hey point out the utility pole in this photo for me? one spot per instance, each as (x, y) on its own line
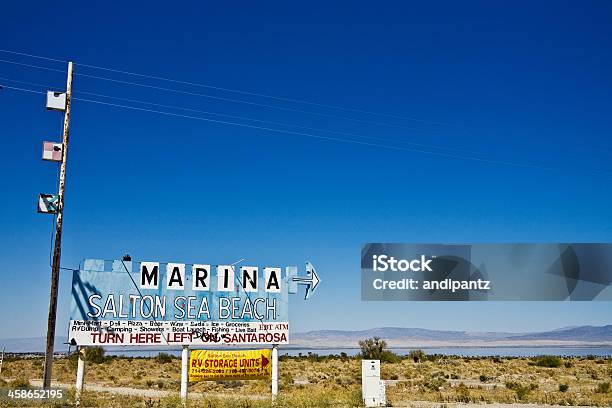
(57, 248)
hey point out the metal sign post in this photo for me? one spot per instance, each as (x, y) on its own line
(184, 374)
(80, 374)
(274, 371)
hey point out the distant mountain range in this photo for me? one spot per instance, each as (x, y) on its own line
(400, 337)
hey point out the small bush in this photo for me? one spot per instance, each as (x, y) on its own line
(372, 348)
(94, 354)
(463, 393)
(24, 383)
(563, 387)
(483, 378)
(389, 357)
(416, 355)
(163, 358)
(435, 384)
(548, 361)
(603, 388)
(521, 390)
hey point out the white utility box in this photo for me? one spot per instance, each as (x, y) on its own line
(56, 100)
(372, 388)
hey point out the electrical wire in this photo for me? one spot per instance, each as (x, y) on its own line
(32, 55)
(237, 117)
(322, 137)
(219, 98)
(242, 92)
(448, 155)
(239, 101)
(32, 66)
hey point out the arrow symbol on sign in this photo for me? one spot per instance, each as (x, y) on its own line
(264, 361)
(312, 280)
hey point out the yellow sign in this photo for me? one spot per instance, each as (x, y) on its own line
(230, 365)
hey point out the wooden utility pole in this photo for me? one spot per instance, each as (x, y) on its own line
(57, 248)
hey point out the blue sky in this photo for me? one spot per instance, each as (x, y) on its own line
(515, 82)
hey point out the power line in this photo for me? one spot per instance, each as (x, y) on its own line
(257, 120)
(33, 56)
(322, 137)
(240, 101)
(318, 136)
(275, 123)
(242, 92)
(31, 66)
(235, 116)
(220, 98)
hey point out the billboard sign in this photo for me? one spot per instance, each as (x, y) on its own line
(158, 304)
(230, 365)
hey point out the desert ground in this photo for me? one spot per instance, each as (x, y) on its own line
(431, 381)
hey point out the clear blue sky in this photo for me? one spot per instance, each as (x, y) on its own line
(521, 82)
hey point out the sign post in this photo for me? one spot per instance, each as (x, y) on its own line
(274, 371)
(184, 374)
(80, 375)
(240, 365)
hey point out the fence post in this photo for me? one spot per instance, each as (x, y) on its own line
(274, 371)
(184, 374)
(80, 375)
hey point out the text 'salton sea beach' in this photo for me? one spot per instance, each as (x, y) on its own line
(179, 304)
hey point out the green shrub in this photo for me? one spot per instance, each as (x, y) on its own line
(435, 384)
(463, 393)
(388, 356)
(483, 378)
(163, 358)
(603, 388)
(372, 349)
(24, 383)
(522, 391)
(94, 354)
(563, 387)
(548, 361)
(416, 355)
